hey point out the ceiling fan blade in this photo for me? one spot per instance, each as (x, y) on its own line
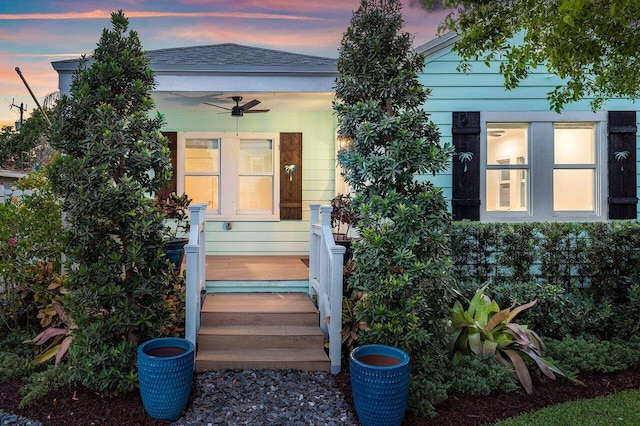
(217, 106)
(249, 105)
(253, 111)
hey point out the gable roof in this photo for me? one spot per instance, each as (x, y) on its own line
(225, 58)
(437, 45)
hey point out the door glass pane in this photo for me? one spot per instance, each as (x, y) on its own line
(574, 143)
(203, 189)
(202, 155)
(573, 189)
(256, 156)
(255, 193)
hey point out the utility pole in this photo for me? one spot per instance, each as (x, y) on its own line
(22, 108)
(44, 114)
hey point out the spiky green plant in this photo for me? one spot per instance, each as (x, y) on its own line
(483, 328)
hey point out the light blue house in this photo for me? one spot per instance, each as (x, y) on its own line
(259, 172)
(518, 161)
(253, 136)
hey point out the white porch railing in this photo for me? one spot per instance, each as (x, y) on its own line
(195, 252)
(325, 280)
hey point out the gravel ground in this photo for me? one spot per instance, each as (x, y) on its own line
(256, 397)
(267, 397)
(15, 420)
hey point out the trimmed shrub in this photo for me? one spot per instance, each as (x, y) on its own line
(585, 276)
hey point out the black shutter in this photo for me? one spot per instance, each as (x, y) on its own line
(465, 203)
(621, 154)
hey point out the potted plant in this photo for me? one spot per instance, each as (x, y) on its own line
(343, 219)
(176, 207)
(165, 375)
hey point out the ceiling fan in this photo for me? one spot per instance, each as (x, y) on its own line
(239, 110)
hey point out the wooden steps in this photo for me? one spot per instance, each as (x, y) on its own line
(260, 331)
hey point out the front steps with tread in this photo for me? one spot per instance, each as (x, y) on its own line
(260, 331)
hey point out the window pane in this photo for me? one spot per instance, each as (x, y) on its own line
(203, 189)
(507, 142)
(573, 190)
(507, 190)
(574, 143)
(256, 156)
(202, 155)
(256, 193)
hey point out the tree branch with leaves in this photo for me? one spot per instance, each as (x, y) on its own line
(592, 45)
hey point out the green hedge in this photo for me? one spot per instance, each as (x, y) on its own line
(585, 276)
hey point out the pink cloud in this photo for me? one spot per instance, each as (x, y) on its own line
(301, 40)
(102, 14)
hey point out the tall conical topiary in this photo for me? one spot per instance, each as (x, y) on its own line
(112, 159)
(401, 260)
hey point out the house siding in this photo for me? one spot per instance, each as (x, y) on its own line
(482, 90)
(276, 237)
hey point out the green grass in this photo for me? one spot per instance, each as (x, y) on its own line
(621, 409)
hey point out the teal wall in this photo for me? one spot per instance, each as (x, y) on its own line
(482, 90)
(286, 237)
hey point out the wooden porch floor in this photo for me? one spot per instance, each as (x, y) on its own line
(257, 268)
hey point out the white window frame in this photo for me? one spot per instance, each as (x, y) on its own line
(541, 165)
(229, 168)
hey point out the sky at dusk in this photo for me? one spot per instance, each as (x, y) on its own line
(33, 33)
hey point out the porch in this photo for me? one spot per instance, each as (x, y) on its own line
(257, 274)
(265, 311)
(257, 314)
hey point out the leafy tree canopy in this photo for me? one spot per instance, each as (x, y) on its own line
(17, 145)
(592, 45)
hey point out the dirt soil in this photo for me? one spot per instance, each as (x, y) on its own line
(71, 405)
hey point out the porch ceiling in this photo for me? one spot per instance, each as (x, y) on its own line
(273, 101)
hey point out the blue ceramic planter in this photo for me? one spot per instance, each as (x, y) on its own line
(380, 384)
(165, 373)
(174, 251)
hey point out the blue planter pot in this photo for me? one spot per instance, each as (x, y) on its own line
(174, 251)
(165, 373)
(380, 384)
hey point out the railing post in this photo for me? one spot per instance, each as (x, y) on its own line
(335, 300)
(195, 252)
(325, 278)
(314, 247)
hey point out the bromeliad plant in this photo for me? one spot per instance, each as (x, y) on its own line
(484, 328)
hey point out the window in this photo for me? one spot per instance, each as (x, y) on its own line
(233, 174)
(543, 167)
(507, 167)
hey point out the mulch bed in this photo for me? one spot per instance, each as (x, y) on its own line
(76, 405)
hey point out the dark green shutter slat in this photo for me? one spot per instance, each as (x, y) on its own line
(291, 186)
(622, 172)
(465, 202)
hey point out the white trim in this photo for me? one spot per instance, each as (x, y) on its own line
(539, 203)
